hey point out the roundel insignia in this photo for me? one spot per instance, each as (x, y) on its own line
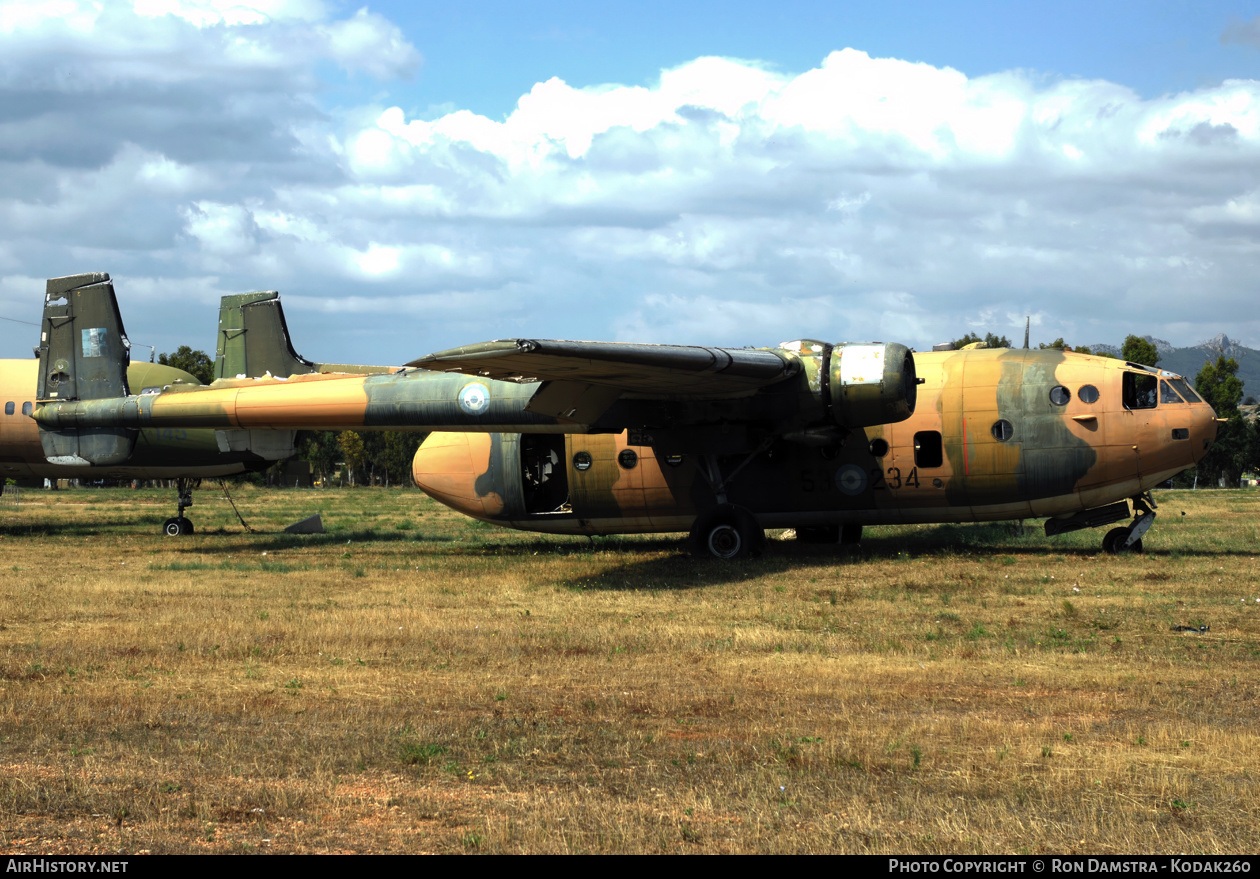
(474, 399)
(851, 479)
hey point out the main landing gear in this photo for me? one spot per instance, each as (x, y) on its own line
(178, 526)
(727, 532)
(1129, 538)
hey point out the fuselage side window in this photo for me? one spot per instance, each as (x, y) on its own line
(928, 451)
(1140, 391)
(1088, 394)
(27, 407)
(8, 408)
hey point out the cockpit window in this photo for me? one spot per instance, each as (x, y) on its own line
(1168, 395)
(1140, 391)
(1183, 387)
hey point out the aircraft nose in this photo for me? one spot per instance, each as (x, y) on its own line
(455, 469)
(1204, 431)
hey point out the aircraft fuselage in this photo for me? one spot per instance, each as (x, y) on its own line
(996, 434)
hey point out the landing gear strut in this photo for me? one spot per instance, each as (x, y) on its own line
(179, 525)
(727, 531)
(1129, 538)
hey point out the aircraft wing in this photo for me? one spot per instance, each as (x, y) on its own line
(665, 371)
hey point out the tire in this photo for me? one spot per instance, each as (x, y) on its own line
(1113, 543)
(185, 525)
(172, 528)
(723, 541)
(727, 532)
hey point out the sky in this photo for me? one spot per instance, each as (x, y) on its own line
(416, 176)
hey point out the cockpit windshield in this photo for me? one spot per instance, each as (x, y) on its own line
(1183, 387)
(1168, 395)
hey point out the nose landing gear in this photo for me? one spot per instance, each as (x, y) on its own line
(1129, 538)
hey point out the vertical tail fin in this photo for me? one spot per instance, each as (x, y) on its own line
(254, 341)
(83, 355)
(254, 338)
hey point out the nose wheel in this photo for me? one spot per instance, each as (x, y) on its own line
(1129, 538)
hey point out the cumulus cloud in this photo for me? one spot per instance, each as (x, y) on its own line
(724, 203)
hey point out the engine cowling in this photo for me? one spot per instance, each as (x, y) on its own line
(869, 383)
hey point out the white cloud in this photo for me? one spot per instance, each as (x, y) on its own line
(726, 203)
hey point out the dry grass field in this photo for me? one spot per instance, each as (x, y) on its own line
(413, 681)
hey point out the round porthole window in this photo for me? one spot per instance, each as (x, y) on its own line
(1088, 394)
(1060, 395)
(627, 458)
(582, 461)
(879, 448)
(1003, 430)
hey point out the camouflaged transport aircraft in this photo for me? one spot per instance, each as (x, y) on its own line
(605, 438)
(81, 311)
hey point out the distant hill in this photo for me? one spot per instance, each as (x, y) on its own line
(1188, 361)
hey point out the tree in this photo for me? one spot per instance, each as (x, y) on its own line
(1219, 384)
(990, 341)
(1137, 350)
(1235, 447)
(195, 363)
(351, 445)
(1057, 343)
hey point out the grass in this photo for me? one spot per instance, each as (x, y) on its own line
(410, 681)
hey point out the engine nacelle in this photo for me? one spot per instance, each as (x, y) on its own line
(866, 384)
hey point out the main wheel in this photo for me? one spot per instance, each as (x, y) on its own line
(172, 528)
(727, 532)
(185, 525)
(725, 542)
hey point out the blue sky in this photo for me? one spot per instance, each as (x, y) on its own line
(484, 58)
(413, 177)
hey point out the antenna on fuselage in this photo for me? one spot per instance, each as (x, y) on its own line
(1027, 324)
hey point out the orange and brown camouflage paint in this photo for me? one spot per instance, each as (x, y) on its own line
(1060, 458)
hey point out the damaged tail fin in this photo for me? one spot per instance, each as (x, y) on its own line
(83, 355)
